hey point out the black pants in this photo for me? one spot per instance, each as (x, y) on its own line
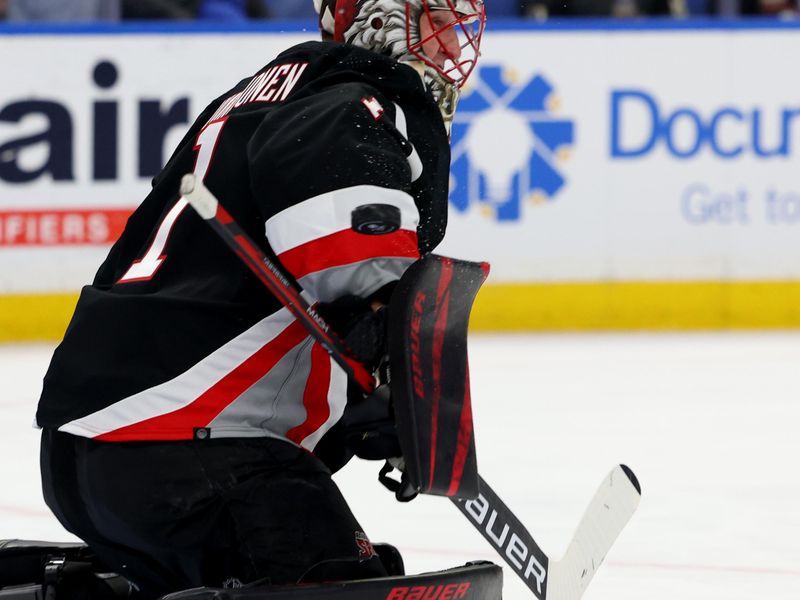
(176, 515)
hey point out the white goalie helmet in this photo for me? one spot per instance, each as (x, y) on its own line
(439, 38)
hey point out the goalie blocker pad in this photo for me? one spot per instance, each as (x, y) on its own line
(429, 381)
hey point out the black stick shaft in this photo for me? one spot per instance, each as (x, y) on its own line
(501, 528)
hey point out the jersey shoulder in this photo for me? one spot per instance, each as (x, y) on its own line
(342, 136)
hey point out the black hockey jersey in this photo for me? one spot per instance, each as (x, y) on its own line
(175, 338)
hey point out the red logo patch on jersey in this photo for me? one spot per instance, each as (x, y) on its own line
(365, 549)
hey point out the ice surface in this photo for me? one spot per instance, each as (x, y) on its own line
(709, 422)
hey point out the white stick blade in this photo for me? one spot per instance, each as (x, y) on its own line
(199, 196)
(609, 511)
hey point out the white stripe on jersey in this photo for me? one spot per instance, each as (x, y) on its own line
(184, 389)
(337, 399)
(414, 161)
(331, 212)
(360, 279)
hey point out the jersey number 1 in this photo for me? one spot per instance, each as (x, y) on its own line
(144, 268)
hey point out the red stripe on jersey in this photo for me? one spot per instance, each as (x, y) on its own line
(179, 424)
(315, 396)
(346, 247)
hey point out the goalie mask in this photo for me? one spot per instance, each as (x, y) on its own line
(439, 38)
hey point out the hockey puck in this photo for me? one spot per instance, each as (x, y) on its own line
(375, 219)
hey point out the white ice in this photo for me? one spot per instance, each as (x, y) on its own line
(709, 422)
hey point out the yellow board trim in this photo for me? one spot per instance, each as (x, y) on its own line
(35, 317)
(638, 306)
(663, 306)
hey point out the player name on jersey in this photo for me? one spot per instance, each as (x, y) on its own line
(273, 85)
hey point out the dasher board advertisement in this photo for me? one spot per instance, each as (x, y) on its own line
(590, 154)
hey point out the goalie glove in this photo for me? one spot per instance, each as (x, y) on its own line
(370, 434)
(362, 328)
(369, 428)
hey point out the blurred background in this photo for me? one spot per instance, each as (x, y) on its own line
(628, 167)
(234, 10)
(623, 164)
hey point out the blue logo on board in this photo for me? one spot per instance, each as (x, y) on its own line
(508, 144)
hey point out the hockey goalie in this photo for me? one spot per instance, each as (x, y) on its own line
(190, 423)
(212, 379)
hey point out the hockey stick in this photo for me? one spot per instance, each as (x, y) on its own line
(607, 514)
(565, 579)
